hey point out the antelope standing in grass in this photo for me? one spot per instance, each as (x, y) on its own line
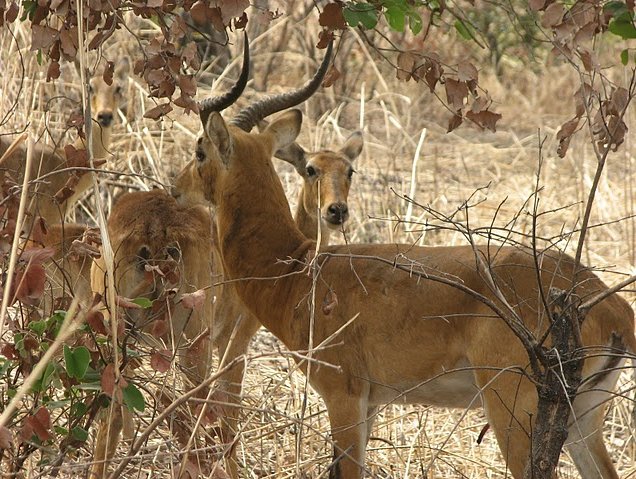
(326, 177)
(394, 337)
(168, 247)
(51, 170)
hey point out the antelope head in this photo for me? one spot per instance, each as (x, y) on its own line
(327, 178)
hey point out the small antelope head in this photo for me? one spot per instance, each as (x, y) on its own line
(327, 175)
(105, 98)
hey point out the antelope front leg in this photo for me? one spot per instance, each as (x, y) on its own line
(349, 431)
(110, 427)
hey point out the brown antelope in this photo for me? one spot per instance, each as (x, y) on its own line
(51, 169)
(153, 238)
(409, 325)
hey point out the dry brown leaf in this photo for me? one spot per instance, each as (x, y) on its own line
(485, 119)
(588, 57)
(467, 72)
(618, 101)
(42, 37)
(161, 360)
(405, 65)
(331, 76)
(6, 438)
(553, 15)
(188, 84)
(160, 328)
(536, 5)
(329, 302)
(40, 424)
(564, 135)
(53, 72)
(158, 111)
(232, 8)
(332, 17)
(12, 12)
(455, 121)
(456, 93)
(95, 320)
(324, 38)
(107, 76)
(194, 300)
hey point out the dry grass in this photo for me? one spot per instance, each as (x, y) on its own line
(498, 172)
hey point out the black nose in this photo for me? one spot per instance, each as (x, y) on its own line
(337, 213)
(105, 118)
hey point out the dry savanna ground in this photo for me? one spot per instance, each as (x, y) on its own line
(407, 152)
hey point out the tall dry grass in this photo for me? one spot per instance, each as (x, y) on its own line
(282, 435)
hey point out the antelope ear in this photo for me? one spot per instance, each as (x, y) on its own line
(285, 128)
(122, 69)
(293, 154)
(353, 146)
(216, 130)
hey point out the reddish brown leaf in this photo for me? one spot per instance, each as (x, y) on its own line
(187, 103)
(42, 37)
(53, 72)
(455, 121)
(332, 17)
(198, 12)
(127, 303)
(324, 38)
(467, 72)
(39, 230)
(329, 302)
(95, 320)
(40, 423)
(160, 328)
(618, 101)
(590, 62)
(188, 84)
(331, 76)
(456, 93)
(12, 12)
(216, 18)
(108, 380)
(68, 42)
(583, 97)
(154, 3)
(158, 111)
(29, 284)
(161, 360)
(536, 5)
(194, 300)
(553, 15)
(232, 8)
(585, 34)
(405, 65)
(6, 438)
(565, 135)
(485, 119)
(9, 351)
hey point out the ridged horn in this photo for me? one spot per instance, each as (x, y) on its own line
(249, 116)
(220, 103)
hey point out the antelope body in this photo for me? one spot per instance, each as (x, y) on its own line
(394, 337)
(51, 169)
(165, 234)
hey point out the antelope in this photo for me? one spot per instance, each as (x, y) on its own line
(167, 238)
(51, 163)
(326, 176)
(409, 326)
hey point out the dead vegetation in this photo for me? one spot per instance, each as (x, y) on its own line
(407, 151)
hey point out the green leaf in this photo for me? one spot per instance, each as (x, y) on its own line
(133, 398)
(415, 22)
(143, 302)
(395, 16)
(62, 431)
(463, 30)
(78, 409)
(623, 26)
(615, 8)
(625, 57)
(46, 378)
(79, 433)
(38, 327)
(76, 361)
(361, 13)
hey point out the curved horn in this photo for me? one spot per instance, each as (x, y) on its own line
(219, 103)
(249, 116)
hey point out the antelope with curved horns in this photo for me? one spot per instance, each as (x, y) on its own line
(393, 337)
(52, 165)
(326, 175)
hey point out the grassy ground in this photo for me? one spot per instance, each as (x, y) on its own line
(496, 173)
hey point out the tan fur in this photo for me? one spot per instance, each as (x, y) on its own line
(413, 340)
(330, 180)
(48, 173)
(151, 225)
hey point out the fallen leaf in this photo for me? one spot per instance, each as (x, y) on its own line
(161, 360)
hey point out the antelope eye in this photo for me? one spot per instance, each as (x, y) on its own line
(350, 173)
(311, 171)
(118, 90)
(90, 89)
(200, 155)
